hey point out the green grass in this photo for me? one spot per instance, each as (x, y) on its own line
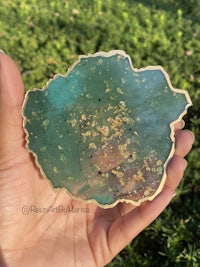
(45, 37)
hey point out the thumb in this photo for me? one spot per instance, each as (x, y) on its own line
(11, 99)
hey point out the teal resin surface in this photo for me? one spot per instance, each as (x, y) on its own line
(104, 132)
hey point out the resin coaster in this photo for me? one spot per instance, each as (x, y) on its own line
(105, 131)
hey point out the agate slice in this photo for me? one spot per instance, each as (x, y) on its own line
(105, 131)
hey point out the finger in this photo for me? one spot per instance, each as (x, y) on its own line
(124, 208)
(175, 171)
(125, 228)
(134, 222)
(184, 141)
(179, 125)
(11, 99)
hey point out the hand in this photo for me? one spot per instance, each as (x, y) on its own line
(89, 237)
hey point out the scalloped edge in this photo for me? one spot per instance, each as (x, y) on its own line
(172, 137)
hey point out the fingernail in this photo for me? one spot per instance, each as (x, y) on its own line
(182, 122)
(193, 137)
(185, 164)
(1, 51)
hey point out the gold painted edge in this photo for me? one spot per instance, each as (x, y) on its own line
(164, 177)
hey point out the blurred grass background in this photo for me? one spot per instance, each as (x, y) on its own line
(45, 37)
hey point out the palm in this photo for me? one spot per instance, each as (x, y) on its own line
(89, 236)
(65, 235)
(75, 234)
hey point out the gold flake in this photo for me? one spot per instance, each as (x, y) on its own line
(122, 103)
(128, 141)
(105, 175)
(108, 90)
(123, 80)
(126, 119)
(92, 146)
(83, 117)
(110, 107)
(88, 134)
(159, 162)
(119, 91)
(93, 123)
(125, 155)
(62, 157)
(122, 148)
(122, 182)
(88, 96)
(55, 170)
(120, 174)
(138, 176)
(148, 191)
(95, 134)
(100, 62)
(45, 123)
(104, 130)
(114, 172)
(72, 122)
(115, 122)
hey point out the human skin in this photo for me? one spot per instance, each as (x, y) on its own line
(76, 239)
